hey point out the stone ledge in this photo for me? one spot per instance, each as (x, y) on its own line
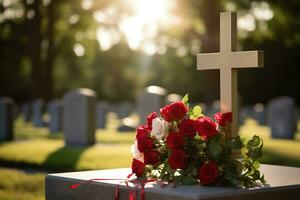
(283, 183)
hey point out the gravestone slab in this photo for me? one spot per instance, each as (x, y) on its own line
(173, 97)
(79, 117)
(283, 183)
(38, 111)
(282, 117)
(150, 100)
(6, 119)
(101, 114)
(123, 110)
(27, 111)
(127, 125)
(213, 109)
(55, 111)
(259, 113)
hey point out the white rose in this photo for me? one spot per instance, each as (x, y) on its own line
(159, 128)
(136, 153)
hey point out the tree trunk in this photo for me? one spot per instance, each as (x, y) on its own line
(50, 56)
(34, 48)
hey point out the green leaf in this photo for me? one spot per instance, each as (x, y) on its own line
(185, 99)
(215, 150)
(197, 111)
(187, 180)
(235, 143)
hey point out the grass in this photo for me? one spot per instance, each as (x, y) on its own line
(36, 148)
(18, 185)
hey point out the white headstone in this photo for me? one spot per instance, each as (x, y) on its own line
(150, 100)
(79, 117)
(173, 98)
(101, 114)
(259, 113)
(55, 111)
(6, 119)
(282, 117)
(27, 111)
(38, 111)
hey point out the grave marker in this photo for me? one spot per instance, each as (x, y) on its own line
(282, 117)
(228, 60)
(151, 100)
(101, 114)
(79, 117)
(6, 119)
(38, 111)
(55, 111)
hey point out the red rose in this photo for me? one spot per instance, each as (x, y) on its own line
(150, 117)
(144, 141)
(145, 144)
(175, 141)
(187, 128)
(142, 131)
(206, 127)
(223, 118)
(208, 173)
(137, 167)
(174, 111)
(151, 157)
(177, 159)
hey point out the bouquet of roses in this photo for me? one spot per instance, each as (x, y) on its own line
(181, 145)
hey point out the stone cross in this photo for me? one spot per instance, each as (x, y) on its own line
(228, 60)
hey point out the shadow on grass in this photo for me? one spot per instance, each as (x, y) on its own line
(64, 159)
(270, 157)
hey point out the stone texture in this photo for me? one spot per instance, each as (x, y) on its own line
(150, 100)
(38, 111)
(101, 114)
(79, 117)
(283, 183)
(6, 119)
(55, 111)
(282, 117)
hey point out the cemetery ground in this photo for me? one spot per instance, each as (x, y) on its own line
(35, 152)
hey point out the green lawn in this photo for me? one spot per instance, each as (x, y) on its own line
(36, 148)
(18, 185)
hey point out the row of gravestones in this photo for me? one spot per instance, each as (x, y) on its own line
(79, 113)
(81, 110)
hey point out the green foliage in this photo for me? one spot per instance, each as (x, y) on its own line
(185, 100)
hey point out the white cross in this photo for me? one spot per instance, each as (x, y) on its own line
(228, 60)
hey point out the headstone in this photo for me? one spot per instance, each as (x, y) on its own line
(259, 113)
(101, 114)
(173, 98)
(213, 109)
(282, 183)
(123, 110)
(150, 100)
(79, 117)
(6, 119)
(55, 111)
(245, 113)
(282, 117)
(38, 111)
(127, 125)
(27, 111)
